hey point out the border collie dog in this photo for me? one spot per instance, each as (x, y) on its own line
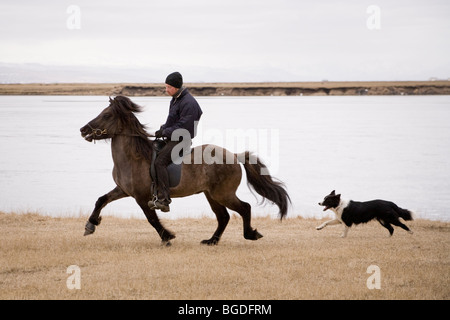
(353, 212)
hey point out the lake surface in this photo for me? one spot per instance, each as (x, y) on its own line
(389, 147)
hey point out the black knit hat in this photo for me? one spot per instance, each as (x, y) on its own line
(175, 80)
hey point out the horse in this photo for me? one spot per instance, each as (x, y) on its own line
(131, 147)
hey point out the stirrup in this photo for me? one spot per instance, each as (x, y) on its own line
(161, 206)
(156, 204)
(151, 203)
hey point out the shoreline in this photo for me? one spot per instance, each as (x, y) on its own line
(325, 88)
(86, 214)
(114, 215)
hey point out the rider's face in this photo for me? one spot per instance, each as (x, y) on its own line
(171, 90)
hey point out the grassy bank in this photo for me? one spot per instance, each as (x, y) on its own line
(124, 260)
(325, 88)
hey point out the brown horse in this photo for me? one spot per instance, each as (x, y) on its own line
(218, 179)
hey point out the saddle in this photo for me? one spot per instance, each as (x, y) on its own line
(173, 169)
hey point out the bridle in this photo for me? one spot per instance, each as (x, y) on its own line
(98, 132)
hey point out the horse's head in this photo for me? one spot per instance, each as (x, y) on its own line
(111, 120)
(102, 127)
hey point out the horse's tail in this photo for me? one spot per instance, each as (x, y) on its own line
(259, 179)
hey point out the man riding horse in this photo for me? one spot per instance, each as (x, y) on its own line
(131, 150)
(184, 113)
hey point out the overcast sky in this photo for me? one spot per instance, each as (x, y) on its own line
(230, 40)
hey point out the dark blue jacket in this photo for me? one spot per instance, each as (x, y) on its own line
(184, 111)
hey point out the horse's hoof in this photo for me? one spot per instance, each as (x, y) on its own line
(167, 236)
(258, 235)
(89, 228)
(211, 242)
(254, 235)
(166, 243)
(87, 232)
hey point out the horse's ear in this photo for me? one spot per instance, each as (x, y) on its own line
(110, 100)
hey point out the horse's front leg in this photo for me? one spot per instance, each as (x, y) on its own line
(153, 219)
(95, 219)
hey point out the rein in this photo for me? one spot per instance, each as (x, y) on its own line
(100, 132)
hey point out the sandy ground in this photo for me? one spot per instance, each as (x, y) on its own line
(125, 260)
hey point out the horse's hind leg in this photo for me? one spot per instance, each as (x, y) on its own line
(244, 209)
(222, 219)
(95, 219)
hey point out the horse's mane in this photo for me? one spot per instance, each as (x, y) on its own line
(124, 109)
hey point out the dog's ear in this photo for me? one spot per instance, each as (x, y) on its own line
(338, 196)
(332, 193)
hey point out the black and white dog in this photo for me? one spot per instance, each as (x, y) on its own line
(353, 212)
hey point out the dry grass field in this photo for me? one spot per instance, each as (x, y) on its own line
(124, 260)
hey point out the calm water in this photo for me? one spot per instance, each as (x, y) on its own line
(394, 148)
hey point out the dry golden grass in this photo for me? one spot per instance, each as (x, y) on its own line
(124, 260)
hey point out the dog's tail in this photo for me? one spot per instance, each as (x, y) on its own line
(405, 214)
